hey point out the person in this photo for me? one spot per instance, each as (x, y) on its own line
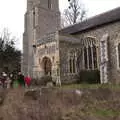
(4, 78)
(1, 86)
(27, 80)
(8, 82)
(12, 80)
(21, 81)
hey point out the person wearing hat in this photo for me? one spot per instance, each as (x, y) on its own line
(4, 77)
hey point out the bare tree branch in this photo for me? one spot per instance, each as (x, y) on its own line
(74, 13)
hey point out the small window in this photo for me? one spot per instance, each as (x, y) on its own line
(85, 58)
(49, 4)
(70, 63)
(33, 17)
(94, 56)
(74, 65)
(90, 57)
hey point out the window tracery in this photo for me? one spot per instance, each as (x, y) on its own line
(72, 62)
(90, 53)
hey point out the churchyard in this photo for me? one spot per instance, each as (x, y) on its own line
(68, 102)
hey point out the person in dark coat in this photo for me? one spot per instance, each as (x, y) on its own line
(1, 85)
(12, 80)
(4, 79)
(20, 79)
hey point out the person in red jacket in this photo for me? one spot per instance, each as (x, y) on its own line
(27, 80)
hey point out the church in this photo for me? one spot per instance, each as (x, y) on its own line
(62, 53)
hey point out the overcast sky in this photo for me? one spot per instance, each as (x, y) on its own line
(12, 13)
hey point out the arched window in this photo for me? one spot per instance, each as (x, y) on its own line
(72, 62)
(74, 66)
(90, 57)
(94, 56)
(119, 55)
(85, 58)
(90, 53)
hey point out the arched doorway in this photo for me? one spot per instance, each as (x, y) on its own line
(47, 66)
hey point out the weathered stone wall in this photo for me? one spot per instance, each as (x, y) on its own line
(113, 31)
(46, 50)
(48, 47)
(39, 21)
(65, 48)
(47, 21)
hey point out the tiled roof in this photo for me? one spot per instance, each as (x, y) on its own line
(101, 19)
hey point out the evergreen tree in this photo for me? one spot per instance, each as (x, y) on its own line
(10, 57)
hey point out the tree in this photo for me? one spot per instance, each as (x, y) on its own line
(74, 13)
(10, 57)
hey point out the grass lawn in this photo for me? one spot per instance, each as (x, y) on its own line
(106, 113)
(92, 86)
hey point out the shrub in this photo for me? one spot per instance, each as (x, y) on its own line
(89, 76)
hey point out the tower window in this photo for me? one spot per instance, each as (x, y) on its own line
(49, 4)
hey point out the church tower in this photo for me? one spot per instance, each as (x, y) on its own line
(42, 17)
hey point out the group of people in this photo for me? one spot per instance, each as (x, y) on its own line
(14, 80)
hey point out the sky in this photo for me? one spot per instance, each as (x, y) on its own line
(12, 13)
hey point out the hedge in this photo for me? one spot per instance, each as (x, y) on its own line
(89, 76)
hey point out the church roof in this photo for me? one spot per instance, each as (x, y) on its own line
(69, 38)
(101, 19)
